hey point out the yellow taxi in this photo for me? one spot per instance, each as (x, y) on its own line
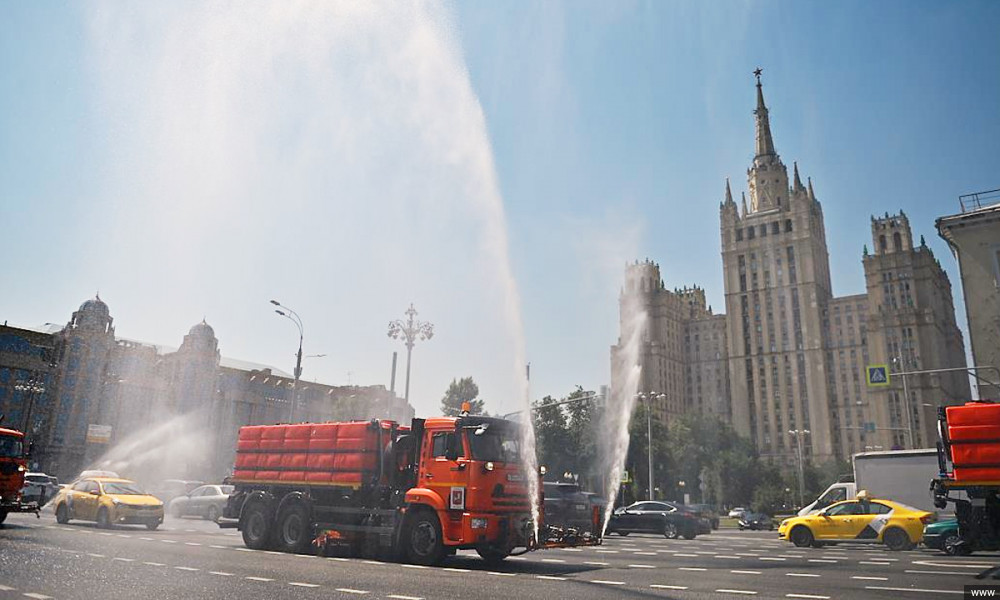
(863, 520)
(108, 501)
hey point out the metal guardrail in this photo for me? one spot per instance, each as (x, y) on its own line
(976, 201)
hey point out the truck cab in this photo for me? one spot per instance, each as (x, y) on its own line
(13, 465)
(470, 474)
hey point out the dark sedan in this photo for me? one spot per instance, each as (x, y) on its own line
(655, 517)
(567, 506)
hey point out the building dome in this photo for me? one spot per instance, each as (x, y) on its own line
(202, 330)
(95, 307)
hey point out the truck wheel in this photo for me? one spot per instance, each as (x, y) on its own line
(424, 545)
(801, 536)
(670, 530)
(492, 556)
(294, 530)
(257, 526)
(896, 539)
(103, 519)
(62, 515)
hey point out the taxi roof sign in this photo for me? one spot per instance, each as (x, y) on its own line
(877, 375)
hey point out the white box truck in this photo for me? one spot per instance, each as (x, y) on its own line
(899, 475)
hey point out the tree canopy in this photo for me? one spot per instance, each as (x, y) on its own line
(459, 391)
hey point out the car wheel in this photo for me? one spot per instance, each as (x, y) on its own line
(294, 528)
(152, 525)
(689, 535)
(103, 518)
(62, 515)
(801, 536)
(213, 514)
(670, 530)
(257, 526)
(424, 545)
(622, 532)
(3, 516)
(896, 539)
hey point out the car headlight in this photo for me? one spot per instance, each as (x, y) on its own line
(21, 469)
(478, 523)
(489, 466)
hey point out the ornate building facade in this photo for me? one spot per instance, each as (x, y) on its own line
(789, 356)
(89, 399)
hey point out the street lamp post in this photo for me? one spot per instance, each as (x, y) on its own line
(798, 433)
(906, 400)
(649, 435)
(410, 331)
(292, 316)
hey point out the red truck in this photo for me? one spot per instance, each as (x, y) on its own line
(13, 465)
(414, 492)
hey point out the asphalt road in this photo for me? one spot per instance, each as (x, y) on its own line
(189, 558)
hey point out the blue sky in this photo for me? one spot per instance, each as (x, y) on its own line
(494, 163)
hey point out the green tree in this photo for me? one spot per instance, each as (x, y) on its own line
(552, 438)
(459, 391)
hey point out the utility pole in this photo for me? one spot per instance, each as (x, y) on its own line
(649, 434)
(798, 433)
(292, 316)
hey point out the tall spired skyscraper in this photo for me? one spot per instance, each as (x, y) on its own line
(777, 283)
(787, 359)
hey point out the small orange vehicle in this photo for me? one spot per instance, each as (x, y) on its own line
(13, 465)
(414, 492)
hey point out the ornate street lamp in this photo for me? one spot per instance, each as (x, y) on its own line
(410, 331)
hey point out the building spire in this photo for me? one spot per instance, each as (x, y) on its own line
(729, 193)
(798, 181)
(812, 195)
(765, 144)
(744, 204)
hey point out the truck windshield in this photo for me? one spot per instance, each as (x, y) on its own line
(494, 445)
(10, 447)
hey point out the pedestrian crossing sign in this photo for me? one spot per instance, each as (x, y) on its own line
(877, 375)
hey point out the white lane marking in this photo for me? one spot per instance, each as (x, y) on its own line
(607, 552)
(273, 552)
(550, 577)
(37, 596)
(414, 567)
(124, 535)
(245, 550)
(455, 570)
(220, 573)
(521, 557)
(169, 541)
(887, 559)
(596, 563)
(643, 566)
(730, 591)
(305, 585)
(726, 556)
(936, 572)
(339, 559)
(103, 533)
(553, 560)
(187, 569)
(746, 572)
(259, 578)
(5, 588)
(772, 558)
(95, 555)
(703, 552)
(801, 574)
(398, 597)
(668, 587)
(691, 569)
(688, 555)
(872, 562)
(960, 565)
(496, 573)
(807, 596)
(571, 549)
(146, 539)
(217, 547)
(191, 544)
(902, 589)
(352, 591)
(645, 553)
(607, 582)
(865, 578)
(154, 564)
(123, 559)
(823, 560)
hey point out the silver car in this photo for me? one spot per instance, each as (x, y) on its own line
(207, 501)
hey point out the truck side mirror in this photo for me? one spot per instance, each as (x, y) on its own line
(451, 449)
(31, 450)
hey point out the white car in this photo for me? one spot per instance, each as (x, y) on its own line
(39, 487)
(207, 501)
(737, 513)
